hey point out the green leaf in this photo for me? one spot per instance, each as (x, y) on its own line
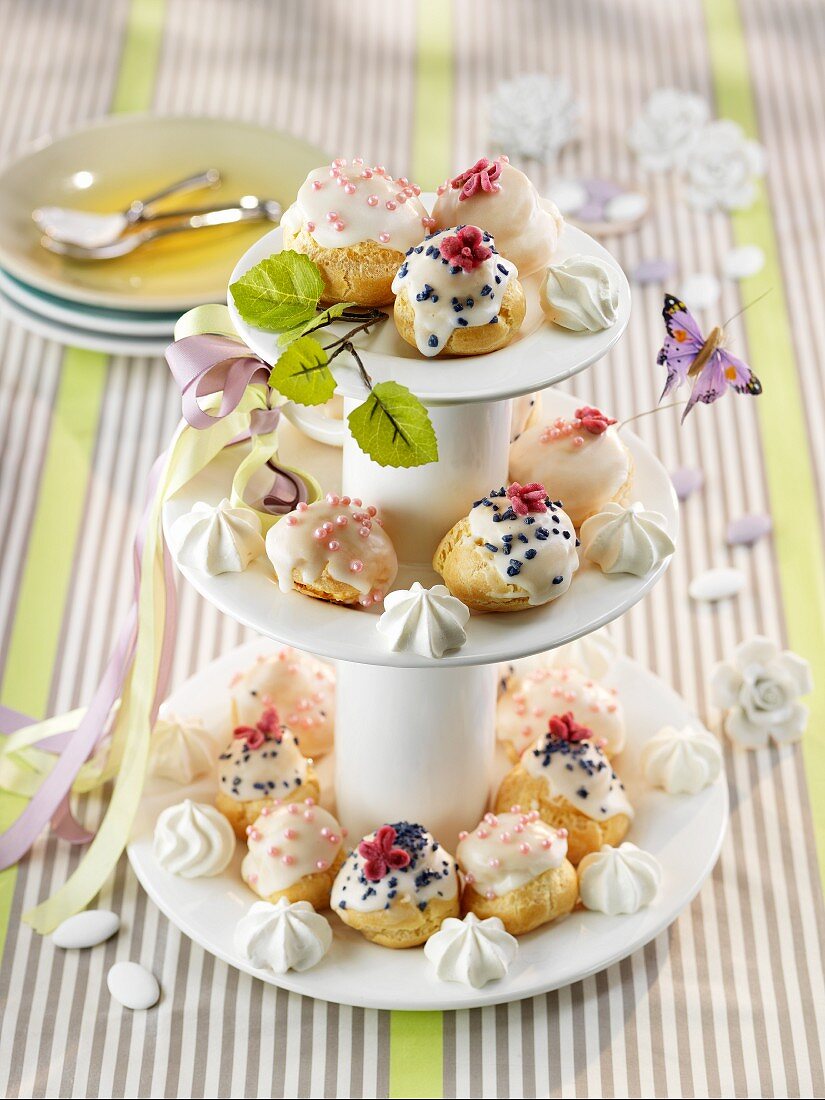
(394, 428)
(279, 293)
(302, 375)
(318, 321)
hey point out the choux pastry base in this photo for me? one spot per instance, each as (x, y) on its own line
(327, 588)
(404, 924)
(473, 340)
(552, 894)
(361, 273)
(241, 815)
(584, 834)
(315, 888)
(471, 578)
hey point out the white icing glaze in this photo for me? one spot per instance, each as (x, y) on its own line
(284, 936)
(180, 749)
(581, 773)
(529, 702)
(581, 294)
(506, 851)
(86, 929)
(626, 540)
(430, 873)
(340, 533)
(133, 986)
(300, 686)
(472, 951)
(217, 539)
(443, 296)
(347, 202)
(682, 761)
(288, 842)
(526, 227)
(537, 552)
(584, 470)
(618, 880)
(193, 840)
(422, 620)
(274, 768)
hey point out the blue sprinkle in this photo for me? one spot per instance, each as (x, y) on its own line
(485, 290)
(491, 548)
(455, 270)
(542, 533)
(493, 321)
(424, 294)
(514, 568)
(434, 298)
(470, 303)
(529, 519)
(522, 538)
(530, 554)
(463, 321)
(558, 580)
(501, 268)
(498, 279)
(433, 341)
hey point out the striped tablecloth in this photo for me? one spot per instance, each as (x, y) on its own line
(731, 999)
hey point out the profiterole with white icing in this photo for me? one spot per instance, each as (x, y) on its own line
(355, 223)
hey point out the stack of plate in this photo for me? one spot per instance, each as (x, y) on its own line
(129, 305)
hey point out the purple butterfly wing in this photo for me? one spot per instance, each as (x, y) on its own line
(683, 343)
(722, 370)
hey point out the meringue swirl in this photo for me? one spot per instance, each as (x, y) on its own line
(284, 936)
(682, 761)
(428, 621)
(618, 880)
(581, 294)
(626, 540)
(193, 840)
(472, 951)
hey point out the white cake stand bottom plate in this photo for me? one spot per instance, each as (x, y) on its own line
(685, 833)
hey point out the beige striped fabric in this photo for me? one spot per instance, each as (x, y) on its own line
(731, 999)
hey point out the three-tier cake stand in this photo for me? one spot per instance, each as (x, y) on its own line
(414, 736)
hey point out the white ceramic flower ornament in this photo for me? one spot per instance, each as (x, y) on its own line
(666, 130)
(760, 690)
(534, 115)
(723, 167)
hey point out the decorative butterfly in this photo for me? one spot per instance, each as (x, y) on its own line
(687, 354)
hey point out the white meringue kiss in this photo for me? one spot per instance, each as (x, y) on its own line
(682, 761)
(472, 951)
(193, 840)
(180, 749)
(428, 621)
(626, 540)
(219, 539)
(618, 880)
(581, 294)
(284, 936)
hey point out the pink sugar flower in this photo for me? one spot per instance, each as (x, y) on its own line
(267, 728)
(482, 175)
(380, 856)
(464, 249)
(564, 727)
(594, 420)
(527, 498)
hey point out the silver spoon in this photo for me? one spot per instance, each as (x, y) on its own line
(89, 230)
(255, 210)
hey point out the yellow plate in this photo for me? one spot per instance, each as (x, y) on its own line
(105, 166)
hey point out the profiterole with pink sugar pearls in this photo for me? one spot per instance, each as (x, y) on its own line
(335, 549)
(355, 223)
(582, 460)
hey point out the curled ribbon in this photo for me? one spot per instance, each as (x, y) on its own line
(57, 754)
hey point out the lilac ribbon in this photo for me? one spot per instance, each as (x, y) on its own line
(200, 365)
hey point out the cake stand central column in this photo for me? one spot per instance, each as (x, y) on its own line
(419, 743)
(419, 505)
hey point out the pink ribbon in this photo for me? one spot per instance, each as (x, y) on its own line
(200, 365)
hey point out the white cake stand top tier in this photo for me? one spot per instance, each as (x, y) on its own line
(254, 599)
(541, 355)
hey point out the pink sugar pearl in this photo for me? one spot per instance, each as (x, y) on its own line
(325, 831)
(495, 863)
(356, 565)
(332, 216)
(578, 441)
(342, 521)
(290, 834)
(322, 864)
(311, 227)
(383, 237)
(391, 204)
(293, 809)
(301, 506)
(349, 188)
(333, 545)
(288, 860)
(339, 226)
(272, 850)
(524, 849)
(490, 895)
(364, 532)
(291, 521)
(372, 200)
(317, 185)
(462, 835)
(333, 838)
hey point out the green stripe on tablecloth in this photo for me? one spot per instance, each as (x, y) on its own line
(417, 1038)
(416, 1054)
(141, 53)
(791, 482)
(47, 575)
(433, 110)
